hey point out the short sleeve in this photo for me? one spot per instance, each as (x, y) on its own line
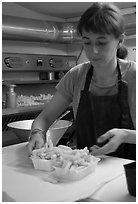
(66, 85)
(131, 78)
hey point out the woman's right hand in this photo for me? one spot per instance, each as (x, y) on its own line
(52, 111)
(35, 142)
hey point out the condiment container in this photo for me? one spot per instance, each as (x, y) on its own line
(51, 75)
(61, 74)
(11, 96)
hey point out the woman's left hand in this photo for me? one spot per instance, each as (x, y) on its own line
(115, 137)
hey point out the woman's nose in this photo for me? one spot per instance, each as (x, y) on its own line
(95, 49)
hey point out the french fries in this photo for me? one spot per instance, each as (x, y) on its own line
(68, 163)
(63, 156)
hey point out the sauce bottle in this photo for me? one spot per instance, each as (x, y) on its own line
(11, 96)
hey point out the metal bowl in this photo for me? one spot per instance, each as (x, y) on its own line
(55, 132)
(21, 129)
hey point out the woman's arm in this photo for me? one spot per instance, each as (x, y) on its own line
(130, 136)
(115, 137)
(53, 110)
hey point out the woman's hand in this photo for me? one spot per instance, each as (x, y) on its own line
(36, 141)
(114, 138)
(44, 120)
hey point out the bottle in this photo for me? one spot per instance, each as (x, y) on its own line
(11, 97)
(51, 75)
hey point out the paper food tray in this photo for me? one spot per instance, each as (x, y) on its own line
(68, 171)
(41, 164)
(75, 174)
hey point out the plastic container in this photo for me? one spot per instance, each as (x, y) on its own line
(11, 101)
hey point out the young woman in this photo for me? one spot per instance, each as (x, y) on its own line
(102, 91)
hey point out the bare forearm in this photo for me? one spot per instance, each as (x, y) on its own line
(130, 136)
(45, 119)
(41, 123)
(52, 111)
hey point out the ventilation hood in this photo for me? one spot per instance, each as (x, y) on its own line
(23, 29)
(17, 28)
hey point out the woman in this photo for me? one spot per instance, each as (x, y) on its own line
(102, 90)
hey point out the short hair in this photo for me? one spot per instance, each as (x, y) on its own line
(122, 52)
(102, 18)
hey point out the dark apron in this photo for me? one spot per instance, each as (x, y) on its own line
(98, 114)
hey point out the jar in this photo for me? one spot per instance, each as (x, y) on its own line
(11, 97)
(61, 74)
(51, 75)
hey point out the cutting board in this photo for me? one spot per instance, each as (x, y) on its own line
(23, 183)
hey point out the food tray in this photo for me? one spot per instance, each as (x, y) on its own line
(41, 164)
(76, 174)
(66, 164)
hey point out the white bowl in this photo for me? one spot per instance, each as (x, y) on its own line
(21, 129)
(56, 131)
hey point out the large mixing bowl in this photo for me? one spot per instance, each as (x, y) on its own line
(55, 132)
(21, 129)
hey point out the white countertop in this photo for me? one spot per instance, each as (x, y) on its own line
(22, 183)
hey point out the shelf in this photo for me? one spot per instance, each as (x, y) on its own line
(34, 70)
(27, 109)
(19, 110)
(4, 83)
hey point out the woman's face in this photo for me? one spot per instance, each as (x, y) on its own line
(100, 49)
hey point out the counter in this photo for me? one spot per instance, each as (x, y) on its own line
(27, 109)
(22, 183)
(11, 111)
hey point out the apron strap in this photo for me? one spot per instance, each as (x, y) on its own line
(126, 120)
(88, 78)
(119, 72)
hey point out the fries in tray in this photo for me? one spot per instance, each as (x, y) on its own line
(66, 164)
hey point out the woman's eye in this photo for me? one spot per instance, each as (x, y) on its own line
(101, 43)
(97, 44)
(87, 43)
